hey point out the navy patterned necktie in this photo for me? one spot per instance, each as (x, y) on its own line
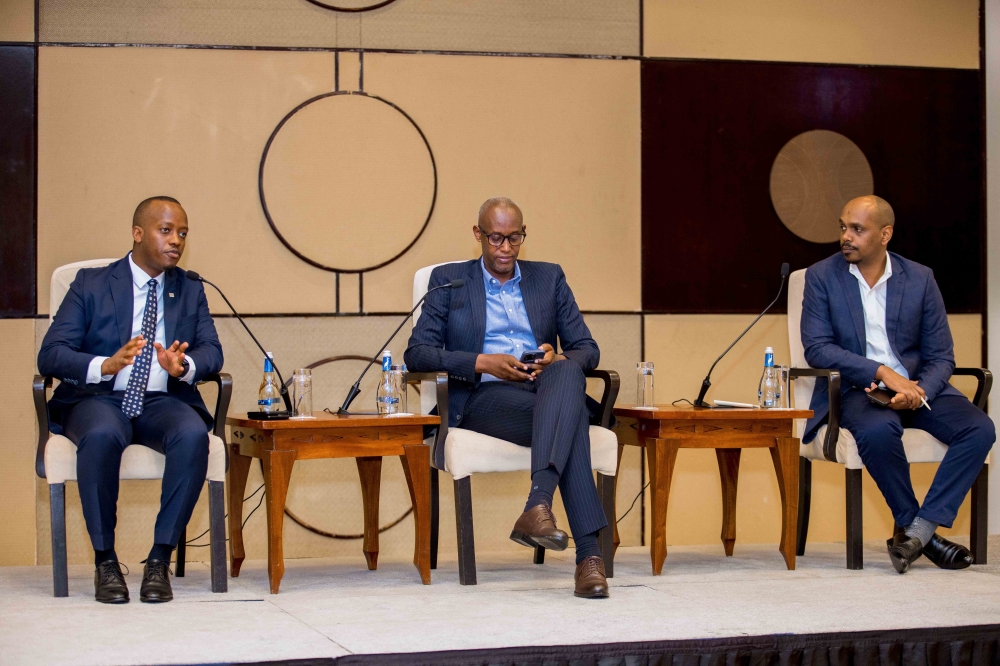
(135, 391)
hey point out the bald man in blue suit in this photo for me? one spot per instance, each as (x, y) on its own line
(880, 320)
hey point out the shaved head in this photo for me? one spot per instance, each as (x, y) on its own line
(144, 211)
(878, 209)
(495, 203)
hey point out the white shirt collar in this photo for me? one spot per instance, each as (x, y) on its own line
(856, 272)
(140, 277)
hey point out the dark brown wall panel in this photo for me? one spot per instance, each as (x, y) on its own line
(17, 181)
(711, 241)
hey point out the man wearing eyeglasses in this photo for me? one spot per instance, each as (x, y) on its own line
(478, 334)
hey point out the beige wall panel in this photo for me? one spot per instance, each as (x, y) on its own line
(17, 21)
(17, 448)
(920, 33)
(117, 125)
(683, 347)
(523, 26)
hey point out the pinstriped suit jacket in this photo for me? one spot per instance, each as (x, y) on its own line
(452, 327)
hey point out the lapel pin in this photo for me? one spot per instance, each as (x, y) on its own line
(171, 294)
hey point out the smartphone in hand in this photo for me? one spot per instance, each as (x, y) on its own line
(881, 397)
(532, 355)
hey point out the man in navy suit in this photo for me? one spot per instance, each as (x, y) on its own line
(880, 320)
(122, 383)
(477, 333)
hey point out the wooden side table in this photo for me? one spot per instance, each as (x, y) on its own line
(664, 429)
(367, 438)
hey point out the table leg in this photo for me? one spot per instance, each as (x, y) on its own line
(277, 472)
(417, 468)
(661, 455)
(785, 456)
(618, 471)
(239, 469)
(370, 471)
(729, 472)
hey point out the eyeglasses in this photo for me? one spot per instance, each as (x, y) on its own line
(496, 240)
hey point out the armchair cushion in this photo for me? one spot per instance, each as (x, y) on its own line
(467, 452)
(138, 462)
(919, 445)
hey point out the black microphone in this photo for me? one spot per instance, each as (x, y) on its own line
(191, 275)
(356, 389)
(700, 402)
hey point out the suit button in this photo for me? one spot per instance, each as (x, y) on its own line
(458, 419)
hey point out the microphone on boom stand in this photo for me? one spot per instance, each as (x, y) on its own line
(356, 389)
(191, 275)
(700, 402)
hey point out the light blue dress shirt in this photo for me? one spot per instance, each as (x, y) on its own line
(508, 330)
(157, 375)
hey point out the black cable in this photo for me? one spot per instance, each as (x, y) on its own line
(682, 400)
(633, 503)
(189, 541)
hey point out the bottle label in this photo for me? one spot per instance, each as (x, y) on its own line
(268, 365)
(769, 360)
(389, 400)
(267, 402)
(386, 363)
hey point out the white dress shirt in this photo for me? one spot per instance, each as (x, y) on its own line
(157, 375)
(876, 337)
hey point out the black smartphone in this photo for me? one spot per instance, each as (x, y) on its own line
(881, 397)
(532, 356)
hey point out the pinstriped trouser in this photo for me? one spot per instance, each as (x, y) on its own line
(551, 416)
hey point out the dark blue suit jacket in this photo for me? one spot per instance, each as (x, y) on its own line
(95, 319)
(452, 327)
(833, 329)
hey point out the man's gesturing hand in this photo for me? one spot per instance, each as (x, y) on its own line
(123, 357)
(171, 357)
(502, 366)
(908, 393)
(550, 357)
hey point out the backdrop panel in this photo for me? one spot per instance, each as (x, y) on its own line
(711, 130)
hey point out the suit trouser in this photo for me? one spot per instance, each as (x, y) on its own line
(101, 431)
(952, 419)
(551, 416)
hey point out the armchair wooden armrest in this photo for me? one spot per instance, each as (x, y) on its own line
(985, 378)
(39, 393)
(440, 380)
(225, 383)
(612, 383)
(833, 407)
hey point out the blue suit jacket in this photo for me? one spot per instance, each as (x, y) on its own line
(452, 327)
(95, 319)
(833, 329)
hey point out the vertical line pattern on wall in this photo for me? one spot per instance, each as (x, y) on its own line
(34, 202)
(338, 293)
(642, 37)
(336, 86)
(361, 70)
(983, 221)
(361, 292)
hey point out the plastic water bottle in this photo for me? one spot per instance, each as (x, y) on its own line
(769, 389)
(387, 395)
(269, 396)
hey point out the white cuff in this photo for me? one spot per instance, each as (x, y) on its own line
(189, 375)
(94, 375)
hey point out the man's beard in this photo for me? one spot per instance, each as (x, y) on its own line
(850, 261)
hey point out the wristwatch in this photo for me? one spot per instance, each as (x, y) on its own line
(185, 366)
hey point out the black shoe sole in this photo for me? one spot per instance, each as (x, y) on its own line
(112, 601)
(598, 595)
(548, 543)
(155, 600)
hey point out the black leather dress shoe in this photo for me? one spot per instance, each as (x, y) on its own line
(948, 554)
(109, 584)
(903, 551)
(156, 582)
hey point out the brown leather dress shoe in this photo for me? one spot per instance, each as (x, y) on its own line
(537, 527)
(590, 580)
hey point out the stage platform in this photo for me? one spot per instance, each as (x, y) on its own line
(328, 609)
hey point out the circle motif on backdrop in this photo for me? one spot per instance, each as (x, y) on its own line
(350, 185)
(356, 7)
(813, 176)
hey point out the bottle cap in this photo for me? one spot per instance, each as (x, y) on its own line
(768, 350)
(270, 355)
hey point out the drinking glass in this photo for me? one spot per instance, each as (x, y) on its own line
(784, 388)
(302, 400)
(644, 384)
(397, 373)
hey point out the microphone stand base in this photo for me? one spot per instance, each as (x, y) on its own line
(344, 412)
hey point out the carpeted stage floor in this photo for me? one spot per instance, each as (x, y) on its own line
(335, 608)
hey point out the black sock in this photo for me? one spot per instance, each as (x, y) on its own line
(161, 551)
(104, 556)
(586, 546)
(543, 487)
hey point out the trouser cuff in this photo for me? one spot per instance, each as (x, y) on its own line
(942, 518)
